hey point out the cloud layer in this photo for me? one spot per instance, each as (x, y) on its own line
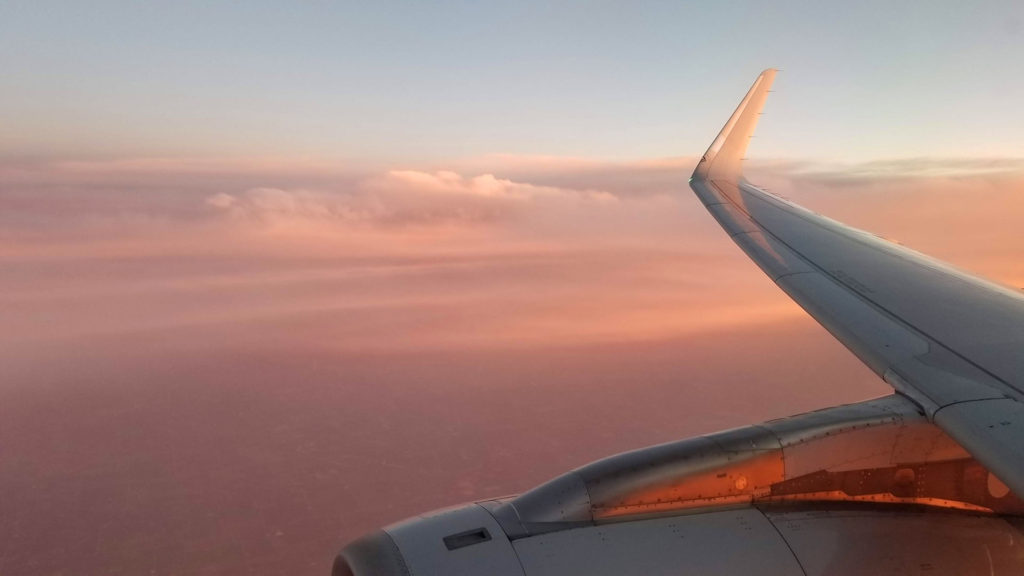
(246, 359)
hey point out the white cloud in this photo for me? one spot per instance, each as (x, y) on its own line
(402, 197)
(221, 200)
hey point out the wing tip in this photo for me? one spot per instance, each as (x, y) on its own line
(724, 156)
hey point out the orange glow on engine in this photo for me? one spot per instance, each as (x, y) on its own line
(961, 484)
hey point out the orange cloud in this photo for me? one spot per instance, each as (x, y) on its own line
(508, 262)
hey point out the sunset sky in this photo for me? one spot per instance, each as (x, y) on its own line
(275, 274)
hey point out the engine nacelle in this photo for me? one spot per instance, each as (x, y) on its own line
(864, 488)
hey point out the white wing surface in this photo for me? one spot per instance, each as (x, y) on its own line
(951, 342)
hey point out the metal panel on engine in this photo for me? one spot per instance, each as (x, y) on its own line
(729, 542)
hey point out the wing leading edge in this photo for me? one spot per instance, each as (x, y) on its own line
(949, 341)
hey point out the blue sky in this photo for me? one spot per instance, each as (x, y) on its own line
(405, 82)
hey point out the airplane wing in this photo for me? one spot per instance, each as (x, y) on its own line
(949, 341)
(916, 481)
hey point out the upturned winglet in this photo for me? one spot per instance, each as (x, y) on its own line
(724, 157)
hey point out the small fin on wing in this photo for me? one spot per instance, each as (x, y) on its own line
(725, 154)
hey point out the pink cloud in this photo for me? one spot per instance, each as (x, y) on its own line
(237, 353)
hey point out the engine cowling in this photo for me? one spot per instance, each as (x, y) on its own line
(874, 479)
